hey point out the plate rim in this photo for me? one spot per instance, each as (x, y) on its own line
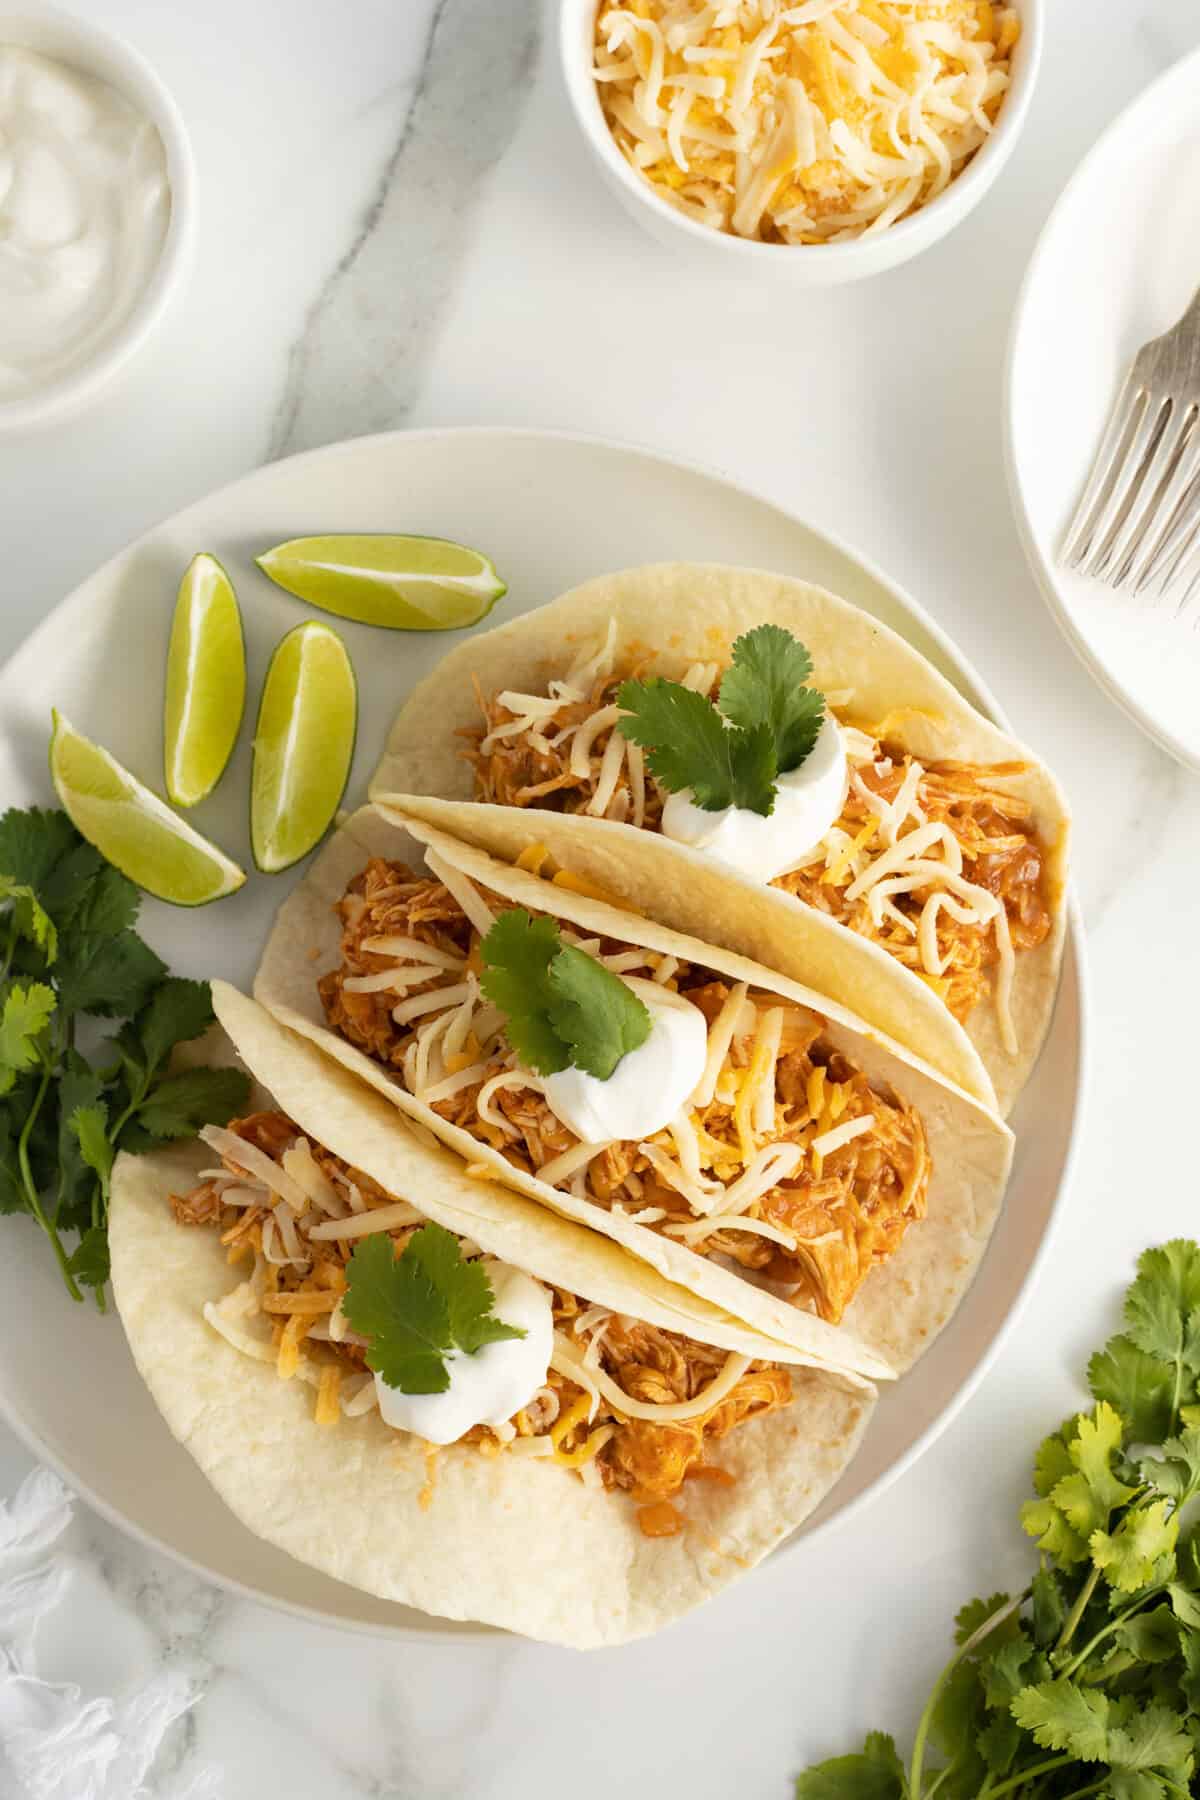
(980, 694)
(1042, 569)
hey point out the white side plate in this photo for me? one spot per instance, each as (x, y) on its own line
(1116, 264)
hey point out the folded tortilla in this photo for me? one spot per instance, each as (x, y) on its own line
(668, 617)
(901, 1306)
(516, 1542)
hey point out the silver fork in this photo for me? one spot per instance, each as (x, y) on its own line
(1138, 520)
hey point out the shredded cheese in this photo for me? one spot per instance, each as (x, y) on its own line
(800, 124)
(566, 1360)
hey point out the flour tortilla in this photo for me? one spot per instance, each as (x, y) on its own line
(515, 1542)
(901, 1306)
(668, 616)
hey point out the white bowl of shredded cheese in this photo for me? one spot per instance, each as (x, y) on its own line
(823, 139)
(96, 209)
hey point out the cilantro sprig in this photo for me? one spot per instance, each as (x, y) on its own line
(70, 1099)
(764, 724)
(417, 1307)
(1088, 1681)
(562, 1006)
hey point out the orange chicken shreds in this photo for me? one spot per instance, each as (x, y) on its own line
(648, 1460)
(542, 766)
(841, 1206)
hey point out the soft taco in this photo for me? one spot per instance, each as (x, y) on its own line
(429, 1387)
(886, 841)
(745, 1136)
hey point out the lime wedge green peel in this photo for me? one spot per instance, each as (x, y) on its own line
(404, 583)
(303, 745)
(132, 827)
(206, 682)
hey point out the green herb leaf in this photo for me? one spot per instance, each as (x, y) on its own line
(975, 1614)
(688, 745)
(1176, 1471)
(562, 1007)
(1162, 1308)
(1049, 1608)
(89, 1126)
(1150, 1637)
(179, 1105)
(89, 1262)
(1141, 1387)
(109, 976)
(32, 842)
(178, 1010)
(1063, 1716)
(875, 1774)
(517, 953)
(764, 686)
(1150, 1737)
(29, 917)
(27, 1010)
(419, 1306)
(1128, 1555)
(594, 1012)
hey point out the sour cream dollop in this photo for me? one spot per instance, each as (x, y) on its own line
(808, 801)
(84, 208)
(493, 1384)
(649, 1085)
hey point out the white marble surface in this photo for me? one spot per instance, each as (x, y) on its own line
(398, 225)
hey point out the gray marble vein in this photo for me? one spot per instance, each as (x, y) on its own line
(358, 364)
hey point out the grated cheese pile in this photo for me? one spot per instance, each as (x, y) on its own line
(801, 124)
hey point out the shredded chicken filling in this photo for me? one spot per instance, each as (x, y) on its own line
(930, 861)
(786, 1161)
(288, 1312)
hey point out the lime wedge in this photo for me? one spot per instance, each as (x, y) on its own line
(405, 583)
(206, 682)
(303, 744)
(133, 828)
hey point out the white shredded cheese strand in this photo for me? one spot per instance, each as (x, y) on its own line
(845, 1133)
(461, 888)
(255, 1162)
(366, 1223)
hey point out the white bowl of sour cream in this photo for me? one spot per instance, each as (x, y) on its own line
(96, 210)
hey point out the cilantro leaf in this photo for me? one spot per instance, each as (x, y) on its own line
(1133, 1784)
(1150, 1637)
(1089, 1494)
(764, 686)
(688, 745)
(1140, 1386)
(517, 953)
(419, 1306)
(27, 1009)
(1162, 1307)
(876, 1773)
(110, 976)
(89, 1126)
(178, 1010)
(1014, 1666)
(1128, 1555)
(32, 842)
(30, 919)
(1176, 1471)
(562, 1007)
(975, 1614)
(999, 1742)
(594, 1012)
(89, 1263)
(1150, 1737)
(1049, 1607)
(178, 1105)
(1063, 1716)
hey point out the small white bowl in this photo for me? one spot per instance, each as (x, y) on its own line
(102, 53)
(809, 265)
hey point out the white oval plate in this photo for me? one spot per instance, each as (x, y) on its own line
(1115, 265)
(551, 510)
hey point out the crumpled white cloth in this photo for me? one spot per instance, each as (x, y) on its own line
(54, 1743)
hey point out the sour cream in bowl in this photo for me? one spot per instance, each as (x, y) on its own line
(96, 210)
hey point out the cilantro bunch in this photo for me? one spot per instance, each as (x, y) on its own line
(563, 1008)
(1088, 1682)
(764, 724)
(70, 1098)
